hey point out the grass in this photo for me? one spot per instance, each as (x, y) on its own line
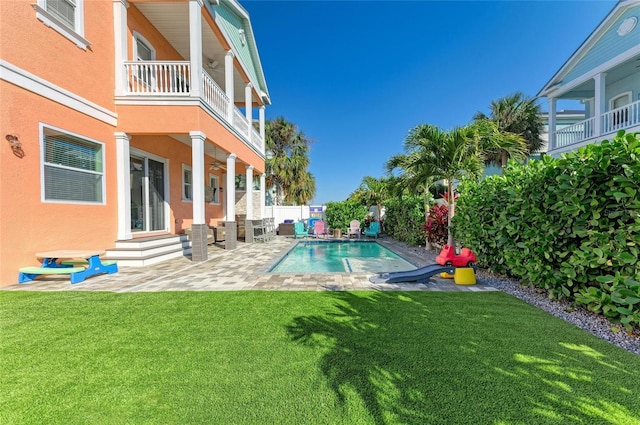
(304, 357)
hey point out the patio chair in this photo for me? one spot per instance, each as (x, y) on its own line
(373, 230)
(354, 229)
(320, 228)
(299, 230)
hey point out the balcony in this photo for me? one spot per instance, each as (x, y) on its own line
(159, 80)
(624, 118)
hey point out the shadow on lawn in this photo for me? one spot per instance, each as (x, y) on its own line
(416, 357)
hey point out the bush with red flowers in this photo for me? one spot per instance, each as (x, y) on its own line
(435, 228)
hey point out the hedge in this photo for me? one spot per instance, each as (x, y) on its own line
(570, 225)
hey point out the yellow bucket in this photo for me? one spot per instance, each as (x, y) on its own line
(464, 276)
(446, 275)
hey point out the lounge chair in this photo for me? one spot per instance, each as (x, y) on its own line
(299, 230)
(354, 229)
(373, 230)
(320, 228)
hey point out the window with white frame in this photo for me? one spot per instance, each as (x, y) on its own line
(187, 183)
(73, 167)
(213, 194)
(64, 16)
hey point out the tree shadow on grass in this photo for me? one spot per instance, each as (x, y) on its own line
(427, 357)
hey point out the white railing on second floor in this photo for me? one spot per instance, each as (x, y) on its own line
(240, 122)
(575, 133)
(158, 77)
(214, 96)
(172, 78)
(621, 118)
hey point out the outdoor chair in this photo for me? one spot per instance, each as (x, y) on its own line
(354, 229)
(373, 230)
(320, 228)
(299, 230)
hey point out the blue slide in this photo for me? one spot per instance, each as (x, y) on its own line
(421, 275)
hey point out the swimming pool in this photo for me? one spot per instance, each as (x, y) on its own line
(340, 257)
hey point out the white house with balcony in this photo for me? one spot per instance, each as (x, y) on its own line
(604, 75)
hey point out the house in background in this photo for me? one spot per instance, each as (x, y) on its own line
(124, 123)
(603, 73)
(564, 118)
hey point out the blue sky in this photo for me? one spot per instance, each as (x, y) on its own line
(356, 76)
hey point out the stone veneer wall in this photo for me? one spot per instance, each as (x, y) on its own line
(241, 204)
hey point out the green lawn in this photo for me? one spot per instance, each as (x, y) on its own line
(304, 358)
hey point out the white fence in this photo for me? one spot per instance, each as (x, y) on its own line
(282, 213)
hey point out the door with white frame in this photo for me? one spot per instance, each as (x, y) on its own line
(149, 190)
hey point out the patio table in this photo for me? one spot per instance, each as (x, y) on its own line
(63, 262)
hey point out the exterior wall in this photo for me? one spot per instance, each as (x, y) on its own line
(616, 88)
(48, 54)
(30, 225)
(608, 47)
(136, 22)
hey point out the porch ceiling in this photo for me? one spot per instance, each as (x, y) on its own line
(172, 21)
(586, 90)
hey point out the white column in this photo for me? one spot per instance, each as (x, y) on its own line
(120, 42)
(248, 106)
(195, 46)
(197, 174)
(261, 116)
(124, 185)
(263, 195)
(228, 84)
(599, 103)
(249, 192)
(231, 187)
(552, 123)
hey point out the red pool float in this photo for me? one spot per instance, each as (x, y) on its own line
(448, 257)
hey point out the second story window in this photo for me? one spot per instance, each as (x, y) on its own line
(64, 16)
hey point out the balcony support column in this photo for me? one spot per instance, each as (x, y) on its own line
(231, 230)
(249, 175)
(198, 227)
(248, 109)
(120, 42)
(123, 172)
(599, 102)
(228, 84)
(261, 115)
(552, 123)
(263, 195)
(195, 46)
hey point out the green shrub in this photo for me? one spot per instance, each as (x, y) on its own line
(562, 224)
(404, 218)
(340, 214)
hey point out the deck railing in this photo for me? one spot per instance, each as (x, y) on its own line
(152, 78)
(575, 133)
(172, 78)
(621, 118)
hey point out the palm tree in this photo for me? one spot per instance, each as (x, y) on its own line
(287, 162)
(372, 192)
(516, 114)
(434, 154)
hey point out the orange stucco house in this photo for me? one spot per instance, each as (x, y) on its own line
(124, 123)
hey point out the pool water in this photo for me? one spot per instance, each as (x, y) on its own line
(340, 257)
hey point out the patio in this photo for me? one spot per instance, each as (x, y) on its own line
(245, 268)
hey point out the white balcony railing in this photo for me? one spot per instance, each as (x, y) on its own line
(621, 118)
(152, 78)
(575, 133)
(214, 96)
(172, 78)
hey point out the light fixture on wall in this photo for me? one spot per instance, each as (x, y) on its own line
(243, 38)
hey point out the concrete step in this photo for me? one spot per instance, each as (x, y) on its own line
(143, 261)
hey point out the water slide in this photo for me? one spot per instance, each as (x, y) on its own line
(421, 275)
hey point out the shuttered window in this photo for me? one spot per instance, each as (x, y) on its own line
(73, 168)
(64, 10)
